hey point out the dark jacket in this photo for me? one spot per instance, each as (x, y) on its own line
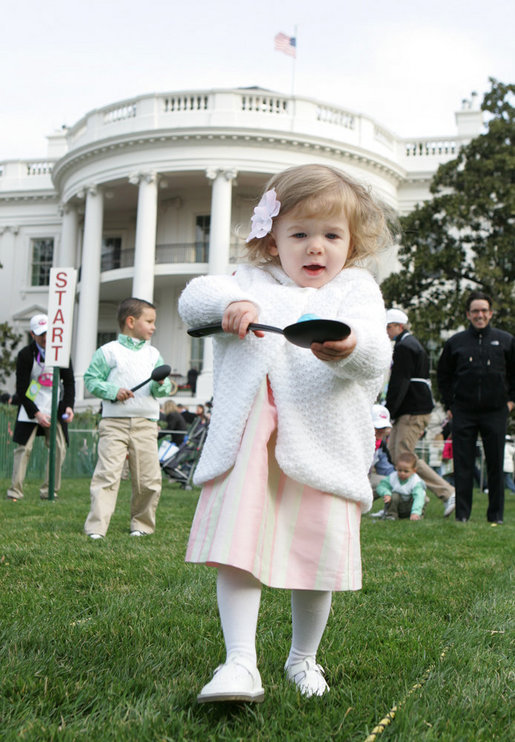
(476, 370)
(24, 362)
(410, 361)
(174, 421)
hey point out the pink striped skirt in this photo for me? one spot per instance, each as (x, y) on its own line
(286, 534)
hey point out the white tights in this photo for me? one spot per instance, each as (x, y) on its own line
(239, 595)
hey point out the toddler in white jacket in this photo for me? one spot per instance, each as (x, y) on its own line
(285, 465)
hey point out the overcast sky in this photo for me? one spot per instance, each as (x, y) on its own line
(406, 63)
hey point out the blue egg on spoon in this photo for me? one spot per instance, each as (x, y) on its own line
(308, 317)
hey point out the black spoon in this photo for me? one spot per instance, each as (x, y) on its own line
(302, 333)
(159, 373)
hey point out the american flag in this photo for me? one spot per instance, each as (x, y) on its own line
(286, 44)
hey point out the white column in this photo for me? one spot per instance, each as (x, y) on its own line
(220, 228)
(67, 253)
(87, 322)
(14, 264)
(219, 253)
(146, 224)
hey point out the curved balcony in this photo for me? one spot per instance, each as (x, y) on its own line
(171, 254)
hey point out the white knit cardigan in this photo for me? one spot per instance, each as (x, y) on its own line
(325, 435)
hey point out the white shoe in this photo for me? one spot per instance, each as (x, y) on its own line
(450, 506)
(379, 514)
(236, 680)
(308, 677)
(138, 533)
(95, 536)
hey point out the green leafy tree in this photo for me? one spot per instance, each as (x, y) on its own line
(9, 339)
(463, 238)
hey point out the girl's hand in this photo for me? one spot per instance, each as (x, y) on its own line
(334, 350)
(238, 316)
(387, 499)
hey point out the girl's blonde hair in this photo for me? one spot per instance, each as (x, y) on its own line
(312, 190)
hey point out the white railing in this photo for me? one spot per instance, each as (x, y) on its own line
(171, 254)
(39, 168)
(120, 113)
(336, 116)
(431, 148)
(26, 174)
(174, 103)
(264, 103)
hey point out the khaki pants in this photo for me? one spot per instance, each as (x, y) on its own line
(406, 432)
(138, 437)
(21, 459)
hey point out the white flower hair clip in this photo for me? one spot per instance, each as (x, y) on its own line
(264, 212)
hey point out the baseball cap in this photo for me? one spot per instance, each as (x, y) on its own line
(397, 316)
(39, 324)
(380, 416)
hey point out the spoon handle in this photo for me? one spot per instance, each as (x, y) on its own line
(200, 332)
(265, 328)
(138, 386)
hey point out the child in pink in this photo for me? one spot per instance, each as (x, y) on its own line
(285, 465)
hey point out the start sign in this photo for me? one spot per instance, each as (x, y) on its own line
(61, 301)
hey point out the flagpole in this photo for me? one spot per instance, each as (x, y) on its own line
(295, 31)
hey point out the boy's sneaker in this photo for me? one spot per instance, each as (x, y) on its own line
(236, 680)
(138, 533)
(308, 676)
(450, 506)
(95, 536)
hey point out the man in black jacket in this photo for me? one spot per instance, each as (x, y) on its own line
(410, 402)
(34, 394)
(476, 378)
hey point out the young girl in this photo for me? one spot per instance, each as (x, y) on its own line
(291, 440)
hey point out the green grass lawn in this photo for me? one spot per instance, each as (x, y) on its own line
(112, 640)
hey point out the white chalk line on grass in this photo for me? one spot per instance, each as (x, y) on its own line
(81, 620)
(390, 716)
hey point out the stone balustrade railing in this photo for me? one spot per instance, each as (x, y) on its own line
(185, 102)
(431, 148)
(39, 168)
(119, 113)
(190, 252)
(26, 175)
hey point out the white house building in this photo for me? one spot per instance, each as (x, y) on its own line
(144, 194)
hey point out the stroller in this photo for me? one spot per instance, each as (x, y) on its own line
(179, 462)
